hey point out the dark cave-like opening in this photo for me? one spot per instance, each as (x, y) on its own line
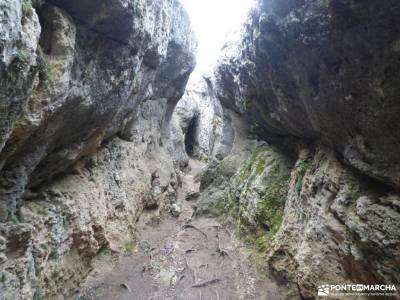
(190, 137)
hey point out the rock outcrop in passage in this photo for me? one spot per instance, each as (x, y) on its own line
(87, 91)
(311, 222)
(200, 128)
(317, 81)
(73, 76)
(321, 70)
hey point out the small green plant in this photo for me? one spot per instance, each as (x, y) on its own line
(260, 166)
(22, 58)
(327, 3)
(26, 8)
(129, 246)
(44, 71)
(54, 254)
(48, 73)
(200, 155)
(355, 195)
(255, 159)
(23, 55)
(3, 278)
(354, 190)
(38, 269)
(44, 247)
(13, 216)
(299, 185)
(105, 251)
(303, 167)
(19, 216)
(38, 295)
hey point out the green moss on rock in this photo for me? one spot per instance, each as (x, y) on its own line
(26, 8)
(256, 160)
(303, 167)
(260, 166)
(270, 211)
(3, 277)
(38, 295)
(54, 254)
(254, 198)
(265, 178)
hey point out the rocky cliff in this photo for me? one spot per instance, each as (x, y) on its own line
(317, 81)
(298, 123)
(87, 90)
(321, 70)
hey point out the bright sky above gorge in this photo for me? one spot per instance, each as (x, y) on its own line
(213, 21)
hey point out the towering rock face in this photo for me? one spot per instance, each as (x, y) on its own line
(73, 74)
(322, 70)
(337, 226)
(87, 90)
(318, 80)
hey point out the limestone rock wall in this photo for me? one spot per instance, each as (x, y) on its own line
(93, 208)
(87, 91)
(73, 74)
(310, 222)
(316, 81)
(338, 226)
(321, 70)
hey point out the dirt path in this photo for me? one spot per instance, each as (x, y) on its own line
(182, 258)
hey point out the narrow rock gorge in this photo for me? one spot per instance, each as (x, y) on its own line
(122, 176)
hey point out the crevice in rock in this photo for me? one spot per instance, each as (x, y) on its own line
(190, 137)
(47, 30)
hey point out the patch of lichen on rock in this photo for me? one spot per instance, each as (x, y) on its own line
(269, 213)
(26, 8)
(270, 210)
(252, 200)
(21, 130)
(255, 199)
(303, 166)
(265, 180)
(49, 73)
(255, 161)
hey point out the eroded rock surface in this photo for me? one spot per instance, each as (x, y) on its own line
(298, 123)
(338, 226)
(315, 80)
(199, 124)
(87, 93)
(321, 70)
(73, 75)
(310, 222)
